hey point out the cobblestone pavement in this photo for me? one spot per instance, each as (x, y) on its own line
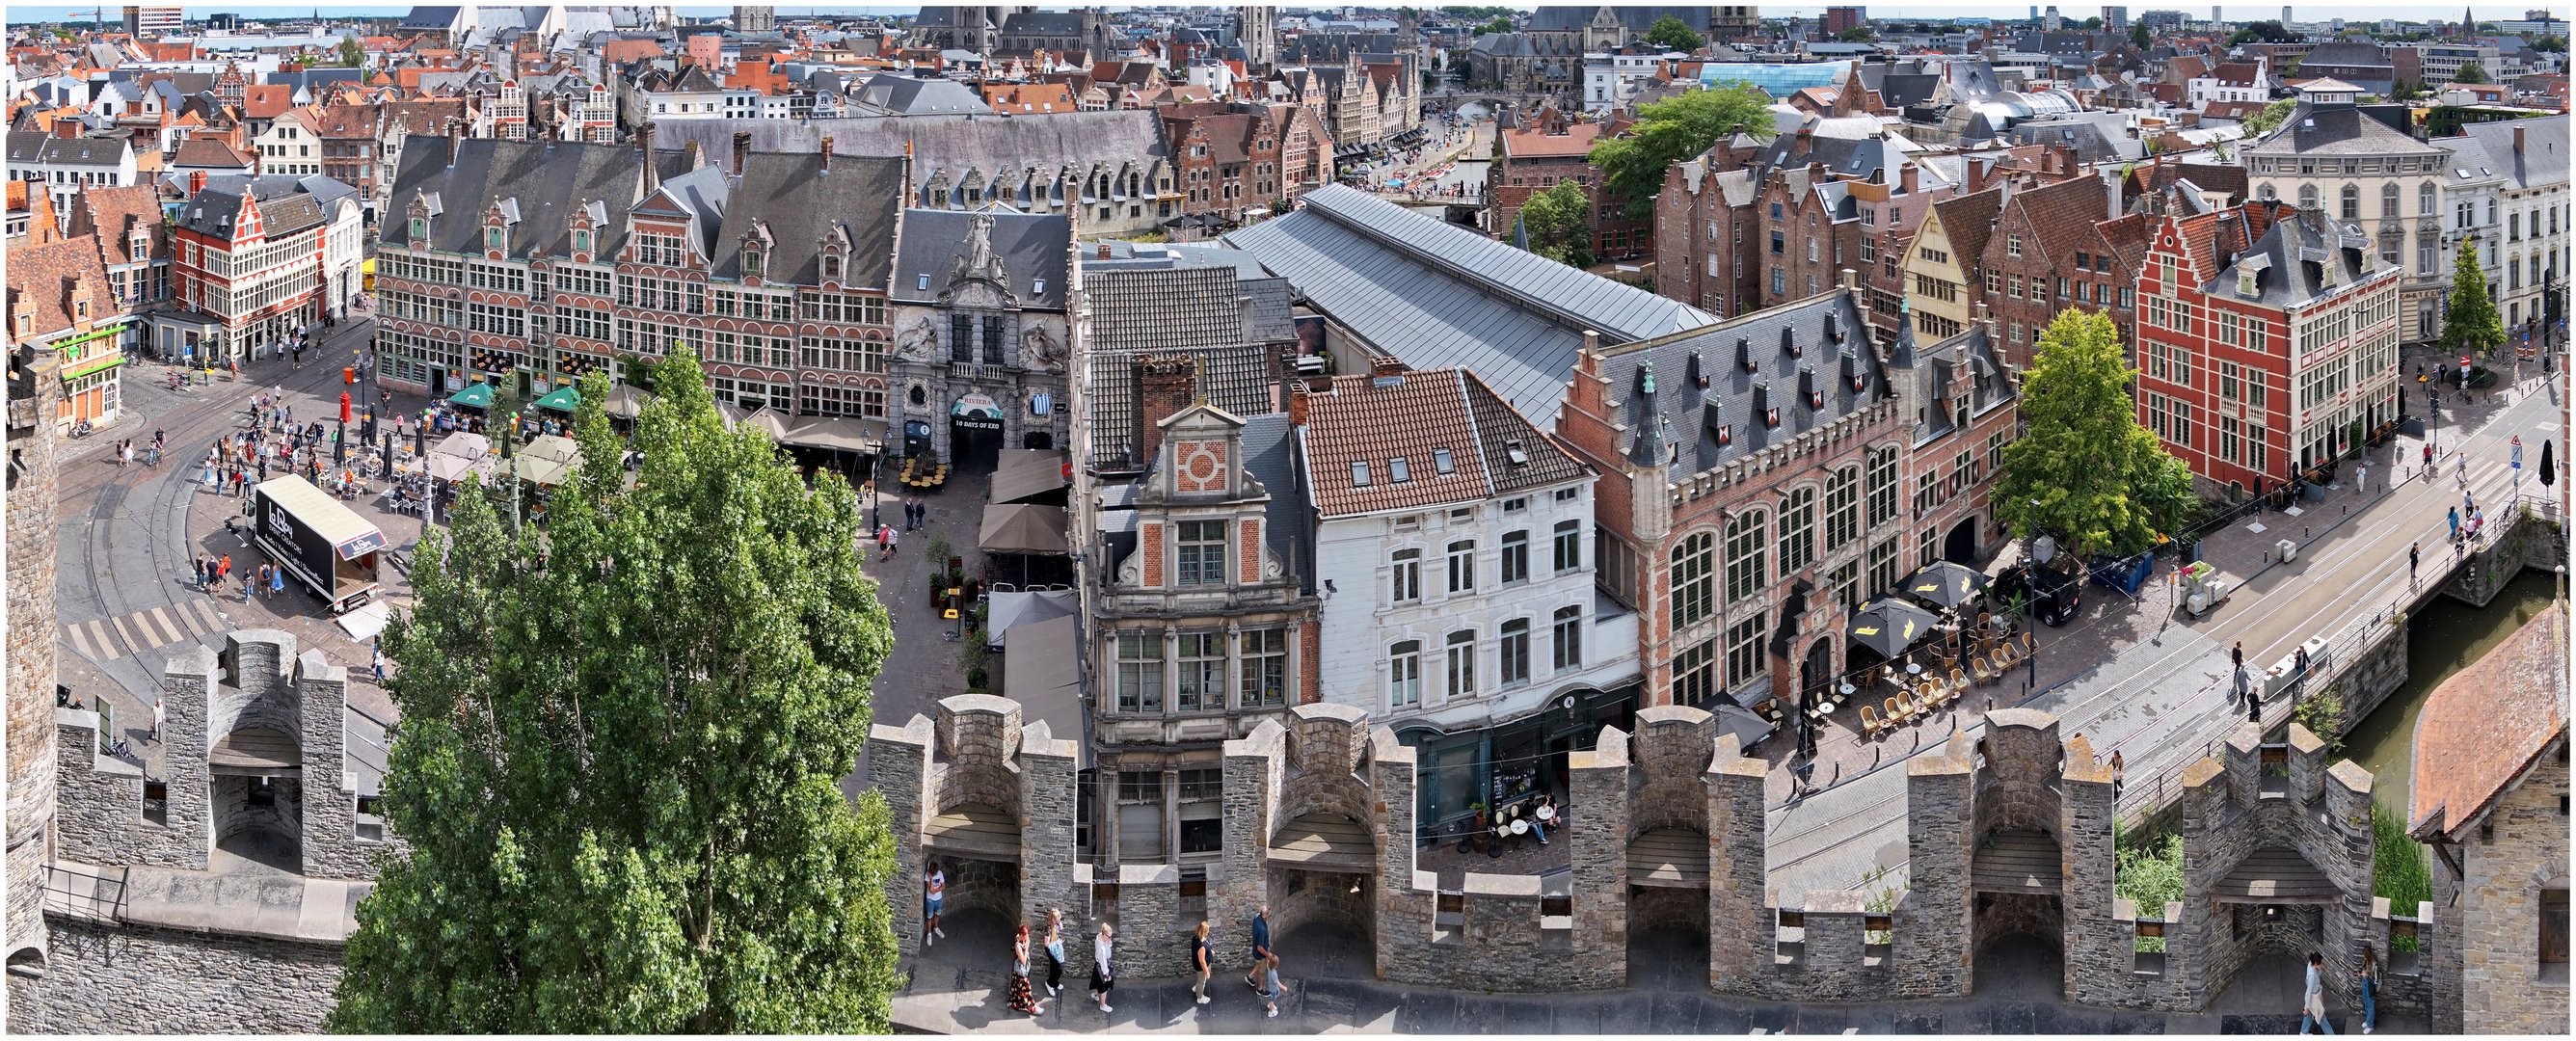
(126, 597)
(923, 667)
(961, 986)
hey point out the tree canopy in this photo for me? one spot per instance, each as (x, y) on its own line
(2556, 44)
(1500, 24)
(1559, 223)
(2139, 36)
(1857, 34)
(2086, 472)
(2470, 72)
(351, 54)
(2263, 32)
(2263, 122)
(618, 763)
(2470, 324)
(1671, 34)
(1674, 130)
(2093, 24)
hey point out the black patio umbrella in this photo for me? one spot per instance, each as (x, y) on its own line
(2548, 465)
(1946, 585)
(420, 441)
(1889, 626)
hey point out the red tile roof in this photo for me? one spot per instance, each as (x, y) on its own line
(267, 100)
(1578, 139)
(1415, 418)
(2487, 724)
(42, 277)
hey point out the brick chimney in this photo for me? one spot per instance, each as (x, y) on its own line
(1908, 177)
(741, 147)
(69, 127)
(196, 182)
(827, 156)
(1165, 384)
(1386, 365)
(1297, 404)
(2517, 138)
(644, 148)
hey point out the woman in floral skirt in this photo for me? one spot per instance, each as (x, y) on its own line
(1021, 999)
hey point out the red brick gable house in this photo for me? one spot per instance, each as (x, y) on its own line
(1228, 156)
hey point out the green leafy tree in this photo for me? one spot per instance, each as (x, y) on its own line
(2263, 32)
(2272, 116)
(2556, 44)
(2138, 35)
(2470, 325)
(2093, 24)
(1559, 223)
(351, 54)
(1671, 34)
(1857, 34)
(620, 751)
(1632, 165)
(1500, 24)
(2470, 72)
(2087, 472)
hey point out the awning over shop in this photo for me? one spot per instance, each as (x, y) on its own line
(627, 402)
(1027, 473)
(838, 433)
(564, 399)
(769, 422)
(463, 444)
(1021, 528)
(1012, 610)
(731, 413)
(1040, 674)
(477, 395)
(455, 467)
(976, 410)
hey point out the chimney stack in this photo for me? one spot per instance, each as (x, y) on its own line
(1386, 365)
(1297, 404)
(1165, 384)
(455, 138)
(1908, 177)
(644, 147)
(827, 154)
(2517, 138)
(741, 147)
(196, 182)
(2114, 188)
(69, 128)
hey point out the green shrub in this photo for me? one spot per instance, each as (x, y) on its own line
(2322, 714)
(2400, 871)
(2150, 874)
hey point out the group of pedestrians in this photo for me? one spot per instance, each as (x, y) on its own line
(1262, 975)
(213, 570)
(2312, 997)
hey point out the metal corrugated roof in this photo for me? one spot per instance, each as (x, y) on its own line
(1441, 296)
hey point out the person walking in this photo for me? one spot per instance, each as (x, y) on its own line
(934, 891)
(277, 581)
(2455, 525)
(1269, 987)
(1260, 946)
(158, 716)
(1021, 999)
(1055, 952)
(2312, 1005)
(2368, 975)
(2411, 556)
(224, 570)
(1199, 962)
(1101, 977)
(2361, 480)
(881, 541)
(201, 571)
(894, 543)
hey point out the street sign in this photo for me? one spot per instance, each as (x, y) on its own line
(2517, 451)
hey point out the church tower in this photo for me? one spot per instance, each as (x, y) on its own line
(1257, 28)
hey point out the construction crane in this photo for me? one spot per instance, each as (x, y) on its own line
(97, 16)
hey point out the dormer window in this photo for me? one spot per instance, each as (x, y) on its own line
(831, 267)
(496, 238)
(751, 262)
(581, 241)
(2245, 283)
(420, 231)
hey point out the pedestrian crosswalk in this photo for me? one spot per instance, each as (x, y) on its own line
(110, 638)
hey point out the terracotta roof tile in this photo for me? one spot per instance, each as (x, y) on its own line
(267, 100)
(1413, 418)
(1965, 220)
(38, 277)
(1578, 139)
(2482, 727)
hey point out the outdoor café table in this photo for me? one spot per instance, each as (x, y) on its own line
(1914, 668)
(1547, 814)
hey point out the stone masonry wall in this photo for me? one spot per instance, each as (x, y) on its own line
(30, 527)
(1518, 932)
(2530, 542)
(135, 979)
(262, 693)
(979, 738)
(2500, 984)
(331, 847)
(99, 800)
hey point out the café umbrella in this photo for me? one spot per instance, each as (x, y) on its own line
(1945, 584)
(1889, 626)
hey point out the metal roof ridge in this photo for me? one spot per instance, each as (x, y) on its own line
(1511, 295)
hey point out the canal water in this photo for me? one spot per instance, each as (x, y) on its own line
(2440, 641)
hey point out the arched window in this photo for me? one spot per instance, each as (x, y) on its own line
(2424, 199)
(2388, 200)
(1747, 554)
(2307, 196)
(1842, 509)
(2352, 202)
(581, 242)
(2268, 194)
(1797, 528)
(1694, 580)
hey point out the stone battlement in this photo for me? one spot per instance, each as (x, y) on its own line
(2010, 837)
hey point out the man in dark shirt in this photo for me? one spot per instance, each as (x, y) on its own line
(1260, 947)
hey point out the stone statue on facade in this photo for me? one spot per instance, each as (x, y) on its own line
(1045, 353)
(918, 344)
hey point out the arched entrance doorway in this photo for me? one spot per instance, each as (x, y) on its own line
(974, 432)
(2016, 879)
(1960, 546)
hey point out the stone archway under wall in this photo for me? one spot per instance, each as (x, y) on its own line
(1668, 938)
(1328, 919)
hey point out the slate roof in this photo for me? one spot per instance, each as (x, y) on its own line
(2092, 140)
(1270, 456)
(2335, 129)
(2292, 257)
(1440, 296)
(421, 18)
(1033, 248)
(2482, 728)
(1680, 420)
(952, 143)
(2543, 160)
(912, 96)
(1934, 369)
(2343, 52)
(1232, 327)
(287, 204)
(1416, 417)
